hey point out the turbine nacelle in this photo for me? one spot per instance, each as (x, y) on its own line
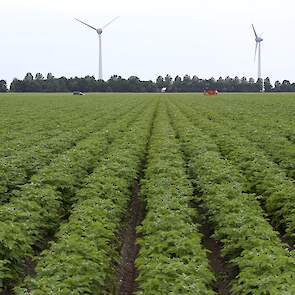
(98, 30)
(258, 39)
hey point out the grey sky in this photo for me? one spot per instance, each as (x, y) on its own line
(209, 38)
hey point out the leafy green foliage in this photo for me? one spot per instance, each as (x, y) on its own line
(81, 260)
(26, 157)
(37, 209)
(249, 242)
(67, 167)
(171, 259)
(262, 176)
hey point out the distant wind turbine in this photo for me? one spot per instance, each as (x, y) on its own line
(258, 41)
(99, 32)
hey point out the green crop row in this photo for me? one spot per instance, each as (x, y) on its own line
(267, 129)
(54, 121)
(264, 177)
(23, 139)
(23, 116)
(37, 209)
(82, 259)
(277, 147)
(251, 112)
(16, 170)
(171, 259)
(264, 266)
(272, 132)
(25, 125)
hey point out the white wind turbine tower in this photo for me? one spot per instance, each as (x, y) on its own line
(99, 32)
(258, 41)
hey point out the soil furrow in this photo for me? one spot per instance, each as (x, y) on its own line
(127, 271)
(223, 273)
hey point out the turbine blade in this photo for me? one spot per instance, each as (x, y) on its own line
(256, 47)
(254, 31)
(110, 22)
(85, 24)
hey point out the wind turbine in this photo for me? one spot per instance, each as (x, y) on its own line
(99, 32)
(258, 41)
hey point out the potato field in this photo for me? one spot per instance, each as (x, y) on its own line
(147, 194)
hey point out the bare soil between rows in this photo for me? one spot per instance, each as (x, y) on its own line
(127, 271)
(223, 272)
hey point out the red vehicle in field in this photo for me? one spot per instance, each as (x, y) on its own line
(211, 92)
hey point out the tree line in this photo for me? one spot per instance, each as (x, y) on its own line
(133, 84)
(3, 86)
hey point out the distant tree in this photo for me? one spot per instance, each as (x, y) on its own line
(3, 86)
(101, 86)
(187, 85)
(229, 84)
(16, 85)
(160, 82)
(63, 85)
(277, 87)
(29, 85)
(49, 76)
(39, 83)
(73, 84)
(220, 84)
(148, 86)
(211, 83)
(195, 79)
(51, 85)
(286, 86)
(177, 84)
(118, 84)
(267, 85)
(167, 81)
(29, 77)
(244, 86)
(252, 87)
(259, 85)
(90, 83)
(197, 84)
(236, 84)
(244, 80)
(134, 84)
(39, 76)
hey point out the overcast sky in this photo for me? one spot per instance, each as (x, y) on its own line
(208, 38)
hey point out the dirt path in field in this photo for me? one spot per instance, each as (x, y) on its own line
(127, 271)
(287, 242)
(223, 273)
